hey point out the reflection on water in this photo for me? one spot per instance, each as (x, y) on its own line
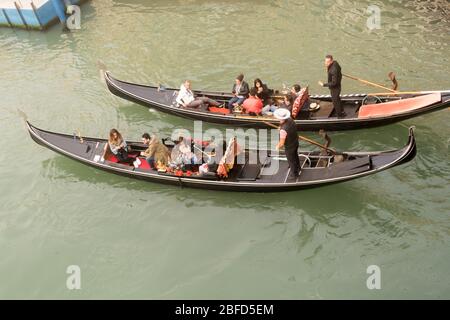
(321, 204)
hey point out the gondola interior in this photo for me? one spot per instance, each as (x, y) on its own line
(248, 166)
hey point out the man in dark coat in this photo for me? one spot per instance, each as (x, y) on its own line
(288, 140)
(334, 84)
(240, 92)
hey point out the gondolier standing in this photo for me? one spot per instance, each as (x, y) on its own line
(334, 84)
(288, 139)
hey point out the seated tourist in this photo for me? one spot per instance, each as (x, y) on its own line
(288, 102)
(240, 92)
(262, 91)
(252, 105)
(187, 99)
(182, 154)
(269, 109)
(118, 146)
(156, 153)
(295, 90)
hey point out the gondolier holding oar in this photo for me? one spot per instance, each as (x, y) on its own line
(334, 84)
(288, 140)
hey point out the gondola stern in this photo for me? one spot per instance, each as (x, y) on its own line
(34, 133)
(412, 137)
(31, 129)
(411, 147)
(107, 75)
(112, 82)
(108, 78)
(112, 86)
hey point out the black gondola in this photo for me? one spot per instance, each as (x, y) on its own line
(363, 111)
(317, 169)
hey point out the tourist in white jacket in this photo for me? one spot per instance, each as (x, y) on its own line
(187, 99)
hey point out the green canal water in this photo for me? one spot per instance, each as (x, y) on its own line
(134, 239)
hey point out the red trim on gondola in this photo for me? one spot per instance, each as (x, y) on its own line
(399, 106)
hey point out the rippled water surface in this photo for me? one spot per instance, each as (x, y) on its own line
(134, 239)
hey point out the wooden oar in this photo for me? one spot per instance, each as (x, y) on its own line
(305, 139)
(392, 77)
(248, 117)
(369, 83)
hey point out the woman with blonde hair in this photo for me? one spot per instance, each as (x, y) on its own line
(118, 146)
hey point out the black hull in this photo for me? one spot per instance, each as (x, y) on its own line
(124, 90)
(70, 147)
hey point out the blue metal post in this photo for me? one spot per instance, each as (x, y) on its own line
(21, 15)
(59, 7)
(36, 15)
(7, 18)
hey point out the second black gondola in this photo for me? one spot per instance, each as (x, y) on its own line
(363, 111)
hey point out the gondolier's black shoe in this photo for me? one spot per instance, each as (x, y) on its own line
(293, 176)
(342, 115)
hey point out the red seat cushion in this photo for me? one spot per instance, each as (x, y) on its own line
(219, 110)
(144, 164)
(113, 158)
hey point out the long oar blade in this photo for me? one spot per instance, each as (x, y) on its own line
(392, 77)
(368, 82)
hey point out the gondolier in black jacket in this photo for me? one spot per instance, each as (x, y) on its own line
(288, 140)
(334, 84)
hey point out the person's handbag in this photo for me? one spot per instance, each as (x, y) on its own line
(122, 153)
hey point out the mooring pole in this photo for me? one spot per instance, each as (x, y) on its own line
(58, 5)
(7, 18)
(21, 15)
(41, 27)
